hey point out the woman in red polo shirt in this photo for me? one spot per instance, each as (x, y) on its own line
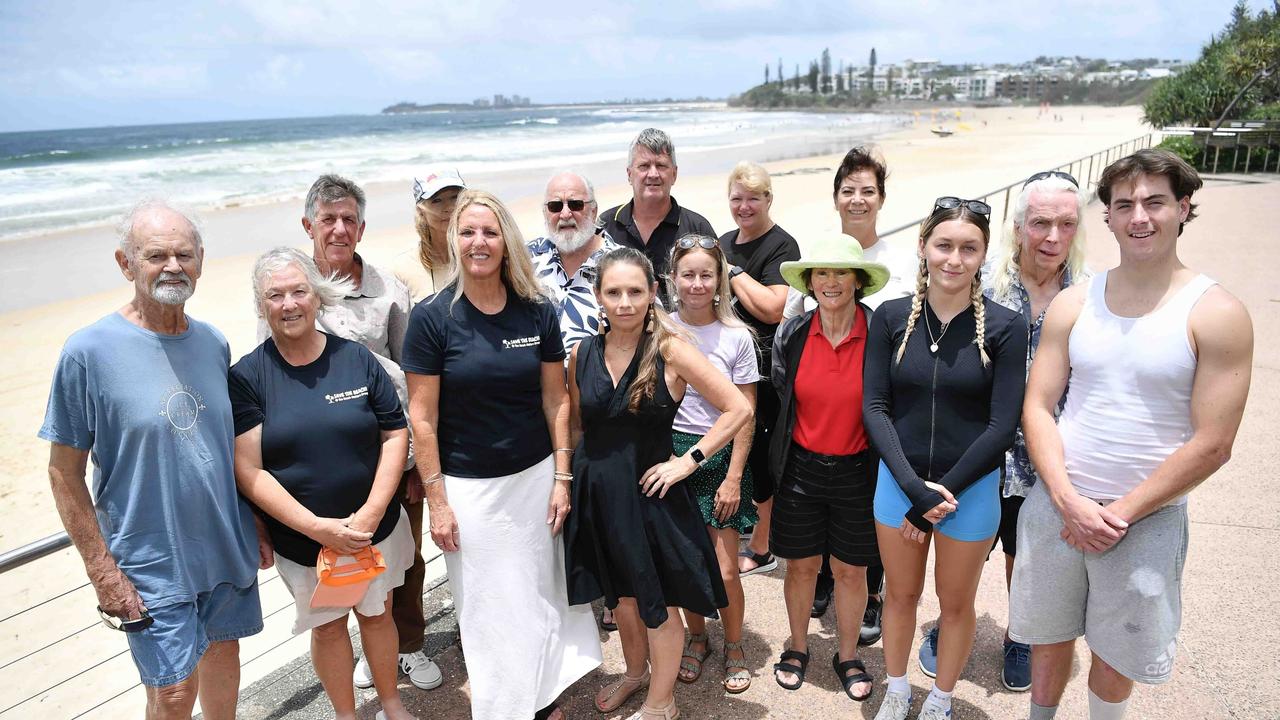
(825, 490)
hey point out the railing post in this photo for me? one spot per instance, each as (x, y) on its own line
(1006, 204)
(1089, 178)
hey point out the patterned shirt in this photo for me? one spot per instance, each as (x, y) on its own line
(1019, 473)
(575, 298)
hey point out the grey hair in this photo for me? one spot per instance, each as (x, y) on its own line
(1010, 249)
(329, 289)
(591, 189)
(331, 189)
(656, 142)
(124, 229)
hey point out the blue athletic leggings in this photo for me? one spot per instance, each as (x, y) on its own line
(976, 518)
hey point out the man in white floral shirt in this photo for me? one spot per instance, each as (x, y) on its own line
(565, 259)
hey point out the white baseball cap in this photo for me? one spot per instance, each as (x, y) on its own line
(436, 179)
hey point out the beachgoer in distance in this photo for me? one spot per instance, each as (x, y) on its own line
(170, 548)
(424, 267)
(637, 537)
(652, 220)
(755, 251)
(941, 405)
(820, 454)
(721, 486)
(321, 441)
(1159, 359)
(374, 312)
(490, 414)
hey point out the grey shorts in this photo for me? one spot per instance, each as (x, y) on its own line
(1126, 602)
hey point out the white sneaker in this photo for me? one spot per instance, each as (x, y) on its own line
(933, 712)
(363, 676)
(422, 670)
(894, 707)
(380, 716)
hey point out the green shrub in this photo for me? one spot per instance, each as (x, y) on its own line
(1185, 147)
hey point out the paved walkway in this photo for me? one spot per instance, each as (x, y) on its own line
(1226, 666)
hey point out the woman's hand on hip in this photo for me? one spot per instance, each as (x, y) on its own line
(659, 478)
(558, 507)
(444, 527)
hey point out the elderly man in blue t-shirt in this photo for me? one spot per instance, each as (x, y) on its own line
(169, 546)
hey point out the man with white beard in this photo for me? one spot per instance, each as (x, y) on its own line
(565, 260)
(168, 544)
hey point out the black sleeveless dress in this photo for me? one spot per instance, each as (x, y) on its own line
(619, 542)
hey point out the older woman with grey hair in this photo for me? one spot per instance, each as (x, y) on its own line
(321, 442)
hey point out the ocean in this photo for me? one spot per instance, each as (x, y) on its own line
(64, 179)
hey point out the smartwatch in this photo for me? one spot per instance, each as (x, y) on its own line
(698, 457)
(735, 271)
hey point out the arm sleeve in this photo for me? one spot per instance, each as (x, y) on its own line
(778, 359)
(398, 319)
(771, 273)
(382, 394)
(69, 416)
(1009, 379)
(746, 368)
(246, 402)
(877, 399)
(551, 345)
(424, 340)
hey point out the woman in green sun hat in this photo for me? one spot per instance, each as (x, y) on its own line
(820, 452)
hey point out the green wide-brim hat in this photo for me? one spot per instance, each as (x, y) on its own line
(836, 250)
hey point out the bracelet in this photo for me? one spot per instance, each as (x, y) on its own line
(438, 477)
(566, 476)
(565, 450)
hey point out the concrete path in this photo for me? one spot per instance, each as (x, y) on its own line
(1226, 666)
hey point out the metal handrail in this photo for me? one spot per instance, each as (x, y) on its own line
(1077, 168)
(33, 551)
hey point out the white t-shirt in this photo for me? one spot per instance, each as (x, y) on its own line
(732, 351)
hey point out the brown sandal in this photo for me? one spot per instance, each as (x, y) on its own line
(690, 661)
(735, 670)
(612, 696)
(670, 712)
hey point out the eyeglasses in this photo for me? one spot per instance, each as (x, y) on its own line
(688, 241)
(556, 206)
(143, 622)
(1052, 173)
(974, 206)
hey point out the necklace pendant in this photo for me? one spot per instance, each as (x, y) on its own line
(933, 348)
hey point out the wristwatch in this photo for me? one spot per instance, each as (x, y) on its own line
(696, 455)
(735, 271)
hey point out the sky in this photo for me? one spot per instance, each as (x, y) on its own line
(75, 63)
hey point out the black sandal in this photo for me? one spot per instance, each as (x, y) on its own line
(793, 668)
(765, 562)
(848, 681)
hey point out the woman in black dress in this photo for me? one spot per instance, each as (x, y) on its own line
(636, 536)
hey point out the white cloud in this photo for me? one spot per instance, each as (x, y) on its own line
(142, 79)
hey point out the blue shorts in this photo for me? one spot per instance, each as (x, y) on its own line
(169, 650)
(976, 518)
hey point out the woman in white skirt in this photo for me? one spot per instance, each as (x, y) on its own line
(490, 414)
(320, 447)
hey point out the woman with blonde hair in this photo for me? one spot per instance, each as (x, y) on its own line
(722, 487)
(487, 402)
(944, 377)
(424, 267)
(637, 537)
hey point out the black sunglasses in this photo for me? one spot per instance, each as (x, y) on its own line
(974, 206)
(688, 241)
(1052, 173)
(556, 206)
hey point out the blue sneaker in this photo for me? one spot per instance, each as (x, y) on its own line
(929, 653)
(1016, 674)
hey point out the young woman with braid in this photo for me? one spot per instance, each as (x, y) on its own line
(943, 382)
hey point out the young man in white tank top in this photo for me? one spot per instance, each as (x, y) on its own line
(1159, 358)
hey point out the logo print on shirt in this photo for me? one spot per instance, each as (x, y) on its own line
(347, 395)
(181, 407)
(523, 342)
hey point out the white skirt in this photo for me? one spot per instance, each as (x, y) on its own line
(301, 580)
(522, 641)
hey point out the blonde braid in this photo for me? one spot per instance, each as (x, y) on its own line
(917, 304)
(979, 318)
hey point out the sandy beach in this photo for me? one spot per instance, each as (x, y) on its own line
(991, 148)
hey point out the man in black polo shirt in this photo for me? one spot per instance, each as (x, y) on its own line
(653, 221)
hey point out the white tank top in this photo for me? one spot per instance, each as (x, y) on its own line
(1129, 403)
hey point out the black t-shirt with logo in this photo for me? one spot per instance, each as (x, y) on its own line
(491, 421)
(321, 431)
(761, 259)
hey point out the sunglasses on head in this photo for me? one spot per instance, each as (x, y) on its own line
(1051, 173)
(556, 206)
(974, 206)
(706, 243)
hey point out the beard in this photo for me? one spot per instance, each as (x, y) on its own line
(172, 294)
(570, 239)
